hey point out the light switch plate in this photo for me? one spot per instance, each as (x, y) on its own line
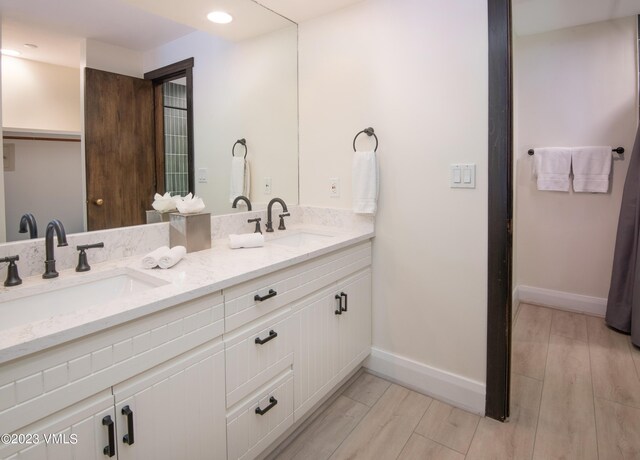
(463, 175)
(203, 175)
(334, 187)
(267, 186)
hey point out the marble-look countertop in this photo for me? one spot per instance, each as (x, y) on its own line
(198, 274)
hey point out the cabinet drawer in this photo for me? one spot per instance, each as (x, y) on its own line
(257, 354)
(249, 432)
(253, 299)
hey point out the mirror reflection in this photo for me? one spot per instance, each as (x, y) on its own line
(244, 86)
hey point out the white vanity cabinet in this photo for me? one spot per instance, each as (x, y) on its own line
(334, 338)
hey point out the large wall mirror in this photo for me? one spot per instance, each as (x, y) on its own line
(244, 86)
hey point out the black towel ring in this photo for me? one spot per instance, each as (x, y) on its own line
(369, 132)
(242, 142)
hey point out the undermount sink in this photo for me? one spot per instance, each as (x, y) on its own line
(301, 238)
(64, 299)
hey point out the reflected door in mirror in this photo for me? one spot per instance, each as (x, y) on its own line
(120, 149)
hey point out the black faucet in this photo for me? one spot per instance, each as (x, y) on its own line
(13, 279)
(241, 198)
(28, 221)
(83, 264)
(269, 221)
(50, 262)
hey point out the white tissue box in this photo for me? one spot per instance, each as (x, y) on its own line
(193, 231)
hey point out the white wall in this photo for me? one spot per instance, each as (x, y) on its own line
(36, 186)
(41, 96)
(111, 58)
(241, 90)
(575, 86)
(3, 230)
(415, 70)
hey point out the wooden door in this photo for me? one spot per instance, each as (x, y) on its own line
(119, 149)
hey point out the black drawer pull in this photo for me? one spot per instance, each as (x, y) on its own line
(272, 293)
(272, 402)
(128, 438)
(272, 335)
(346, 298)
(110, 450)
(339, 310)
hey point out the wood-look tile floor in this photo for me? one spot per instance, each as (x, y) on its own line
(575, 394)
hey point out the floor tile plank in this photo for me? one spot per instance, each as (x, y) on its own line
(448, 426)
(567, 324)
(323, 436)
(635, 354)
(614, 374)
(514, 439)
(566, 426)
(367, 389)
(385, 430)
(618, 430)
(421, 448)
(531, 341)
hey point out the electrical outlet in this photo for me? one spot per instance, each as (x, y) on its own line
(203, 175)
(267, 186)
(334, 187)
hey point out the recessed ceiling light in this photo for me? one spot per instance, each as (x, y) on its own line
(219, 17)
(7, 52)
(30, 45)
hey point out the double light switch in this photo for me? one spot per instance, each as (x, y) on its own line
(463, 175)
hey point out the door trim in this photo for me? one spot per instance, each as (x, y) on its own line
(500, 211)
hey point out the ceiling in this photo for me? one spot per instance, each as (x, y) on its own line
(58, 27)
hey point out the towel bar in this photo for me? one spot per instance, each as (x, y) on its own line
(242, 142)
(618, 150)
(369, 132)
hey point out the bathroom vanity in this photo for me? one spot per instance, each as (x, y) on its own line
(219, 357)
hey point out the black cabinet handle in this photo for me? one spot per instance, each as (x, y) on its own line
(110, 450)
(272, 402)
(339, 310)
(272, 335)
(346, 298)
(128, 438)
(272, 293)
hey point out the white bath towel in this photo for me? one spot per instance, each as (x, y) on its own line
(172, 257)
(591, 168)
(365, 182)
(240, 179)
(552, 166)
(152, 259)
(246, 240)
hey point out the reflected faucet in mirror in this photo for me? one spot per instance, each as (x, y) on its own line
(50, 262)
(241, 198)
(269, 220)
(28, 223)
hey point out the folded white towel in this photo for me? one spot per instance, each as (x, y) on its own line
(240, 178)
(552, 166)
(591, 168)
(172, 257)
(246, 240)
(152, 259)
(365, 182)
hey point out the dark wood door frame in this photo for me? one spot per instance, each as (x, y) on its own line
(170, 72)
(500, 211)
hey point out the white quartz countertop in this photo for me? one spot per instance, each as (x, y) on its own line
(198, 274)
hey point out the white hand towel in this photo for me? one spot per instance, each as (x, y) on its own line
(172, 257)
(151, 260)
(240, 180)
(246, 240)
(552, 166)
(365, 182)
(591, 168)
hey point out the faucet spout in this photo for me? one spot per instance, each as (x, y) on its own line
(271, 203)
(50, 261)
(28, 223)
(241, 198)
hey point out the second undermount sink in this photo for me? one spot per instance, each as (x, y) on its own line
(72, 297)
(301, 238)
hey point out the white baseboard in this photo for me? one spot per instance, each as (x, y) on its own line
(515, 302)
(562, 300)
(453, 389)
